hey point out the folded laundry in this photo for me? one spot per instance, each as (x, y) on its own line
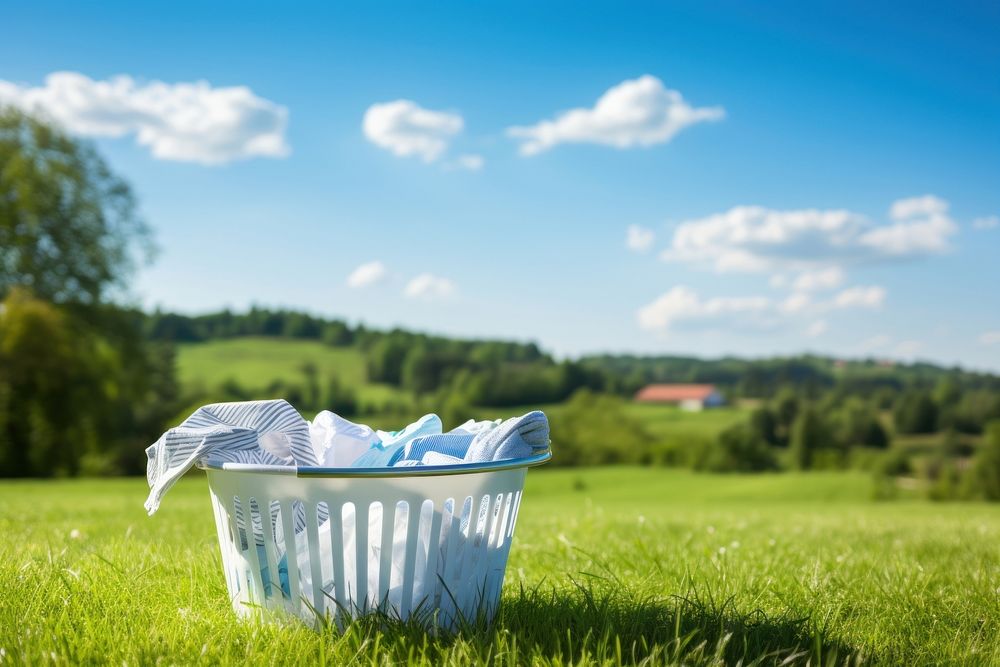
(515, 438)
(455, 443)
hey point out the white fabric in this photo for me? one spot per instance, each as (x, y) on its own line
(337, 441)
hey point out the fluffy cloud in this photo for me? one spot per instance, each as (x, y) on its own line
(876, 342)
(370, 273)
(468, 162)
(429, 287)
(639, 238)
(907, 349)
(636, 112)
(987, 222)
(817, 328)
(821, 279)
(754, 238)
(407, 129)
(187, 122)
(921, 226)
(796, 302)
(990, 337)
(860, 297)
(684, 306)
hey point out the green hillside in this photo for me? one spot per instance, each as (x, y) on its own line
(256, 362)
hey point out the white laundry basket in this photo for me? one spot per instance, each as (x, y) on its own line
(426, 542)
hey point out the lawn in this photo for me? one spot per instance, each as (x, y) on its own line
(670, 421)
(255, 362)
(608, 566)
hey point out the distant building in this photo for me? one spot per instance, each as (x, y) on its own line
(691, 397)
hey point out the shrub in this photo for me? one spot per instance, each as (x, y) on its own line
(738, 449)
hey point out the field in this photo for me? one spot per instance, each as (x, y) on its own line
(608, 566)
(255, 362)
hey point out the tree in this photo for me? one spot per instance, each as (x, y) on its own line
(763, 425)
(81, 390)
(786, 409)
(68, 226)
(808, 436)
(310, 374)
(738, 449)
(986, 466)
(339, 398)
(915, 413)
(857, 424)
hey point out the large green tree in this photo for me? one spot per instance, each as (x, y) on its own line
(80, 388)
(69, 228)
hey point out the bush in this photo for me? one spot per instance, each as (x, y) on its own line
(738, 449)
(915, 413)
(594, 429)
(985, 472)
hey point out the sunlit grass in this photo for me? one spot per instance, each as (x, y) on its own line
(255, 362)
(608, 566)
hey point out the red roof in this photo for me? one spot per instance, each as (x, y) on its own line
(674, 393)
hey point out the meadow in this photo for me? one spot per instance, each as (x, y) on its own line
(609, 566)
(255, 362)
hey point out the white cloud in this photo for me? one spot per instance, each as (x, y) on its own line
(860, 297)
(370, 273)
(407, 129)
(682, 304)
(921, 226)
(429, 287)
(186, 122)
(874, 343)
(987, 222)
(990, 337)
(917, 207)
(907, 349)
(796, 302)
(639, 238)
(754, 238)
(817, 328)
(468, 162)
(820, 279)
(636, 112)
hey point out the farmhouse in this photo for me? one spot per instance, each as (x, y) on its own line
(691, 397)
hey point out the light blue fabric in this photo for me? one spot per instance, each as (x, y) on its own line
(475, 442)
(385, 453)
(454, 444)
(515, 438)
(451, 443)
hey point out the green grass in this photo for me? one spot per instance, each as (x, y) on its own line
(256, 362)
(608, 566)
(671, 421)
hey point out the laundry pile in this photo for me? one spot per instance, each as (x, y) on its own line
(274, 433)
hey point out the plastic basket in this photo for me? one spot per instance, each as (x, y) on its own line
(427, 542)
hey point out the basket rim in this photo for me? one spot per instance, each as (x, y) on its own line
(411, 471)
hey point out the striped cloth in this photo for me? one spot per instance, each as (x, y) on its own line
(268, 432)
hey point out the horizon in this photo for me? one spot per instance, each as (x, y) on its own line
(683, 181)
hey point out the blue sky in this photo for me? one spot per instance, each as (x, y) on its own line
(688, 178)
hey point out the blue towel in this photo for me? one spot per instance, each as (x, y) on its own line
(390, 449)
(515, 438)
(518, 437)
